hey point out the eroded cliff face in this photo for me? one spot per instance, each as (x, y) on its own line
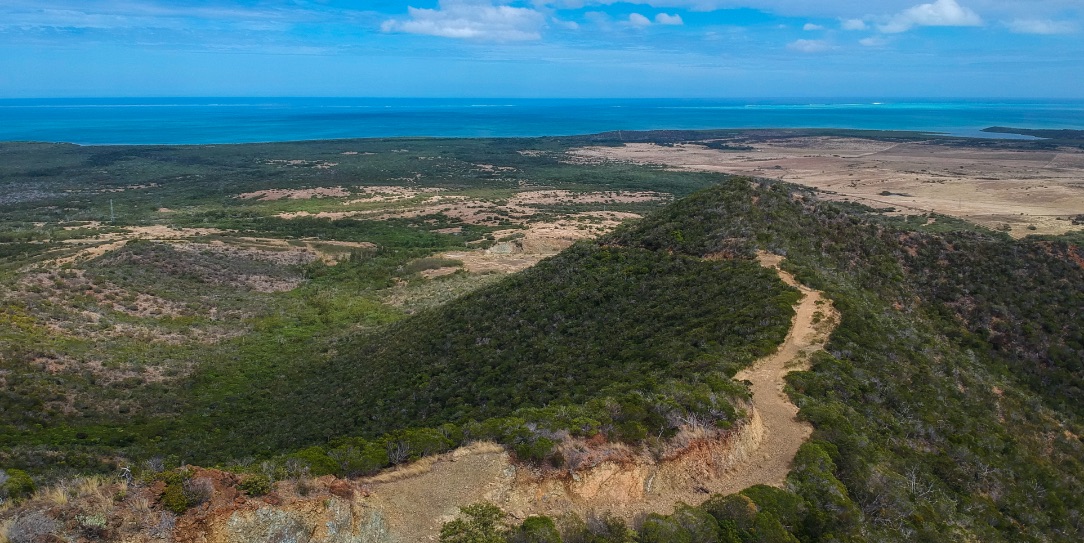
(411, 503)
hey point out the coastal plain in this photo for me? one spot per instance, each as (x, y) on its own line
(1017, 189)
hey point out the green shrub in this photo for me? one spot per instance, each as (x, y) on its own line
(18, 485)
(317, 460)
(481, 523)
(788, 507)
(768, 529)
(173, 498)
(607, 528)
(255, 485)
(736, 508)
(685, 525)
(537, 529)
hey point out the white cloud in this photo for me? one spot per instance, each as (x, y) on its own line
(809, 46)
(666, 19)
(638, 20)
(853, 24)
(1042, 26)
(939, 13)
(466, 19)
(811, 27)
(873, 41)
(567, 25)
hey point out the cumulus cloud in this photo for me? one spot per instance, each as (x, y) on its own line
(667, 19)
(1042, 26)
(467, 19)
(873, 41)
(567, 25)
(939, 13)
(809, 46)
(853, 24)
(638, 20)
(810, 27)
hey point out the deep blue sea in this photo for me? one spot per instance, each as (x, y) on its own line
(239, 120)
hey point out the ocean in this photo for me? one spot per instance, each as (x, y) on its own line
(243, 120)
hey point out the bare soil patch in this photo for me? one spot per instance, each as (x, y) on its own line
(295, 194)
(551, 197)
(388, 193)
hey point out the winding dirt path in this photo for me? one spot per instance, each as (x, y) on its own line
(814, 321)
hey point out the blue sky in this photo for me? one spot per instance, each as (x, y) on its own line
(543, 48)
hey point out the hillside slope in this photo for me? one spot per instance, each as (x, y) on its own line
(947, 401)
(946, 405)
(625, 340)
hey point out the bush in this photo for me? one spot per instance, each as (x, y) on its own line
(18, 485)
(789, 508)
(736, 508)
(255, 485)
(484, 523)
(607, 528)
(686, 525)
(198, 491)
(537, 530)
(318, 461)
(173, 499)
(182, 492)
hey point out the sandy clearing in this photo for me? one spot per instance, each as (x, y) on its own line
(553, 197)
(111, 241)
(537, 241)
(517, 209)
(388, 193)
(329, 251)
(270, 195)
(992, 188)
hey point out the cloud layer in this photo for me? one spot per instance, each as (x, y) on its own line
(1042, 26)
(939, 13)
(471, 20)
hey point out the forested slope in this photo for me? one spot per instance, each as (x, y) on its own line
(642, 328)
(947, 403)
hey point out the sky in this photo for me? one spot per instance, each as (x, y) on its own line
(543, 48)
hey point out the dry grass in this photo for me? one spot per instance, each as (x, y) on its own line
(86, 509)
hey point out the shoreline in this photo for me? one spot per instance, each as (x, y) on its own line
(996, 134)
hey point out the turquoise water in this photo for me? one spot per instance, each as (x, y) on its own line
(239, 120)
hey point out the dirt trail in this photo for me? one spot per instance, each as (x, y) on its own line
(814, 321)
